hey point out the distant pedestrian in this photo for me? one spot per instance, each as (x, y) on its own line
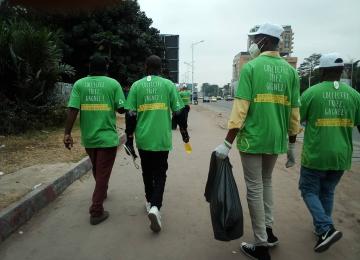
(330, 109)
(265, 112)
(150, 104)
(97, 97)
(185, 96)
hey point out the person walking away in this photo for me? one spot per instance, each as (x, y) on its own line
(185, 96)
(264, 113)
(150, 104)
(330, 109)
(97, 97)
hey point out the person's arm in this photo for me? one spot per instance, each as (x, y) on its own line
(119, 99)
(237, 119)
(131, 120)
(71, 117)
(239, 111)
(294, 124)
(73, 110)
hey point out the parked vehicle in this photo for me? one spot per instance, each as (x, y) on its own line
(229, 98)
(213, 99)
(219, 98)
(206, 99)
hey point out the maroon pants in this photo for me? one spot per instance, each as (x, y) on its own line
(102, 160)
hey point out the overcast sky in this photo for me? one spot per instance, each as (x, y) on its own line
(319, 26)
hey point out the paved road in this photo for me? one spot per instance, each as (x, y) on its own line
(62, 232)
(225, 106)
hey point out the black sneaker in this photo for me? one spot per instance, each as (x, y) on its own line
(327, 239)
(272, 240)
(99, 219)
(255, 252)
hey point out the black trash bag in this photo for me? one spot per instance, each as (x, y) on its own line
(225, 206)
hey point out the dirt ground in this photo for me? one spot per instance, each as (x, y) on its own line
(40, 147)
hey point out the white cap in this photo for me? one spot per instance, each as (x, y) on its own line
(331, 60)
(270, 29)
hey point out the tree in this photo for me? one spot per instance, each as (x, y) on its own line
(227, 89)
(30, 64)
(123, 33)
(210, 90)
(306, 71)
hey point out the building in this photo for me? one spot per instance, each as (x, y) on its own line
(286, 44)
(170, 56)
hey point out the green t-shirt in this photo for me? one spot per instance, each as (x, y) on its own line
(185, 97)
(153, 98)
(331, 115)
(272, 87)
(98, 98)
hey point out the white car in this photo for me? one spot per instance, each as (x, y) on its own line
(213, 99)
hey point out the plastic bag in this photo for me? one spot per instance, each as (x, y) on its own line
(225, 206)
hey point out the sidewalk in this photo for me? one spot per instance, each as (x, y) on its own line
(62, 231)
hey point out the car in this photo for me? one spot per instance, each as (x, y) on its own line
(213, 99)
(229, 98)
(206, 99)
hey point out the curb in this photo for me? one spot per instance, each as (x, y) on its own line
(18, 213)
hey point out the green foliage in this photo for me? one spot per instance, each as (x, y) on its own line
(37, 50)
(30, 64)
(123, 33)
(308, 75)
(210, 90)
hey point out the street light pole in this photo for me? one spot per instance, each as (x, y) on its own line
(192, 68)
(352, 71)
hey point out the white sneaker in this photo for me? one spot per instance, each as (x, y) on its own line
(147, 206)
(155, 219)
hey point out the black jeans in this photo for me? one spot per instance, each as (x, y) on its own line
(154, 166)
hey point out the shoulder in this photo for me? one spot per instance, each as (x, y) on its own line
(311, 91)
(353, 92)
(112, 81)
(80, 82)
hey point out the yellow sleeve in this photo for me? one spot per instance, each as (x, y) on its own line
(238, 114)
(294, 128)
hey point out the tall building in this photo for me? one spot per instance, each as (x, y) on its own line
(286, 44)
(170, 56)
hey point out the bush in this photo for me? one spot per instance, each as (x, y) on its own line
(30, 64)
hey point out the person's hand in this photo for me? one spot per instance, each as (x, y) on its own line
(129, 147)
(222, 151)
(185, 135)
(290, 155)
(68, 141)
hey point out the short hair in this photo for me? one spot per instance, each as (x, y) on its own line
(98, 63)
(333, 70)
(153, 62)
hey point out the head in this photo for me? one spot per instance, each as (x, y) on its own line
(265, 38)
(266, 42)
(153, 65)
(331, 67)
(98, 65)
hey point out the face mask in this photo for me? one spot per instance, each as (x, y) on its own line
(254, 49)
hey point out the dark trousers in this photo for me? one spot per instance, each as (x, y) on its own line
(102, 160)
(154, 166)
